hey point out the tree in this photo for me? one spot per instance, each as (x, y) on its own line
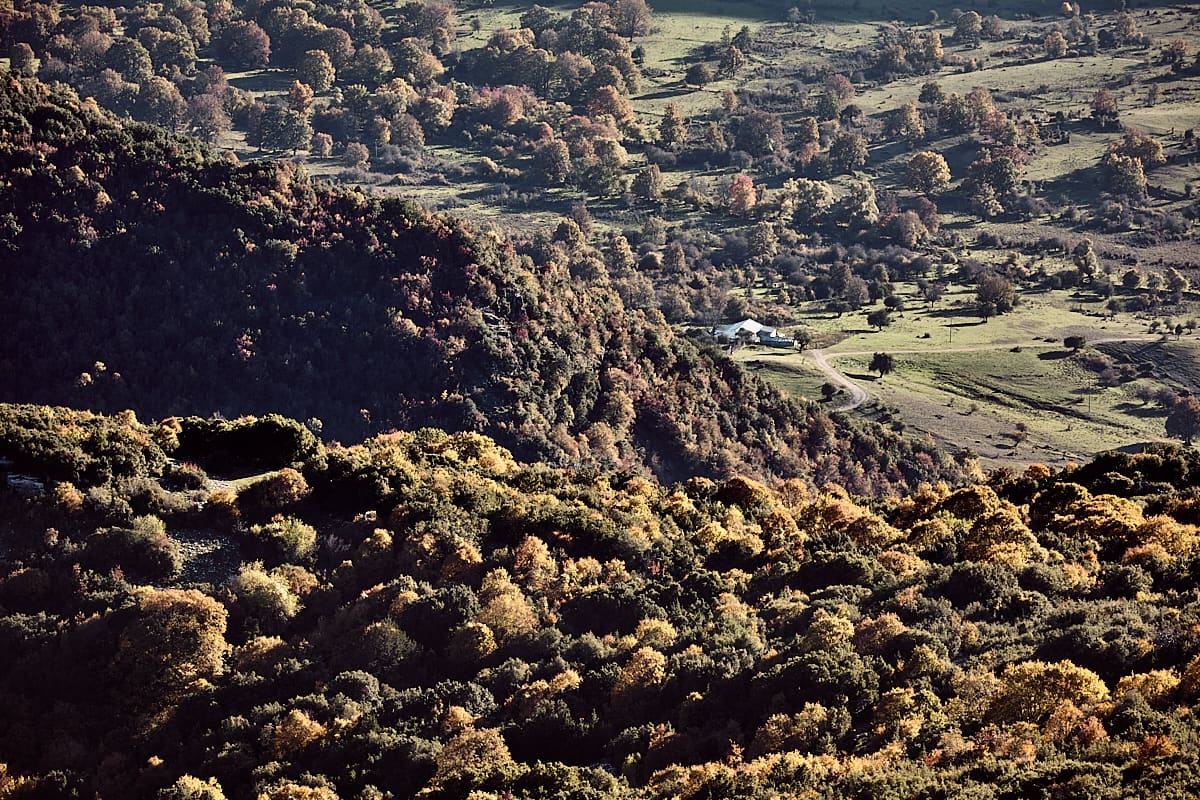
(1104, 109)
(883, 363)
(1145, 149)
(1029, 691)
(879, 319)
(848, 152)
(742, 194)
(968, 28)
(300, 97)
(733, 60)
(207, 117)
(372, 66)
(1184, 420)
(928, 173)
(176, 638)
(648, 183)
(553, 160)
(907, 122)
(189, 787)
(838, 84)
(608, 100)
(672, 131)
(245, 44)
(996, 292)
(317, 70)
(1075, 343)
(160, 102)
(1055, 45)
(1126, 175)
(931, 93)
(932, 50)
(698, 75)
(631, 18)
(812, 200)
(1084, 257)
(21, 60)
(275, 127)
(411, 60)
(760, 132)
(860, 206)
(321, 145)
(129, 58)
(356, 155)
(1176, 52)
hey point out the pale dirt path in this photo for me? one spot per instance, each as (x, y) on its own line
(859, 395)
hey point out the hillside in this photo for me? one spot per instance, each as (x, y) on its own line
(143, 271)
(420, 615)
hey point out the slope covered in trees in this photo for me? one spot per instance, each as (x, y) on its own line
(422, 615)
(141, 271)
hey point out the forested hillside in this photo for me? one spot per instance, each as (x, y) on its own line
(142, 271)
(423, 615)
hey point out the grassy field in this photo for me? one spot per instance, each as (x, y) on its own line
(967, 383)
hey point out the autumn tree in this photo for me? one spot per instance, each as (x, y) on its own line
(672, 131)
(860, 205)
(1135, 144)
(907, 122)
(176, 639)
(631, 18)
(733, 60)
(245, 44)
(316, 69)
(1055, 45)
(160, 102)
(932, 50)
(1031, 690)
(648, 183)
(812, 200)
(1126, 174)
(207, 118)
(276, 127)
(1104, 108)
(742, 194)
(928, 173)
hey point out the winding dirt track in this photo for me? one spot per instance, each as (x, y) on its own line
(859, 395)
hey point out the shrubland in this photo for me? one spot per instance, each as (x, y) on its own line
(422, 614)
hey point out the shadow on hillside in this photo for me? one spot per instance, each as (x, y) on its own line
(1054, 355)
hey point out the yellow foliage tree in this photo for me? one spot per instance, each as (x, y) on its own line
(1031, 690)
(294, 732)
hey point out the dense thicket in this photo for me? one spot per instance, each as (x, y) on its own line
(140, 271)
(423, 615)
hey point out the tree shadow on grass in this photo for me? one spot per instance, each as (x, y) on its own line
(1140, 411)
(663, 94)
(1054, 355)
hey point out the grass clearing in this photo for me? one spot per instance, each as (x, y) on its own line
(1013, 370)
